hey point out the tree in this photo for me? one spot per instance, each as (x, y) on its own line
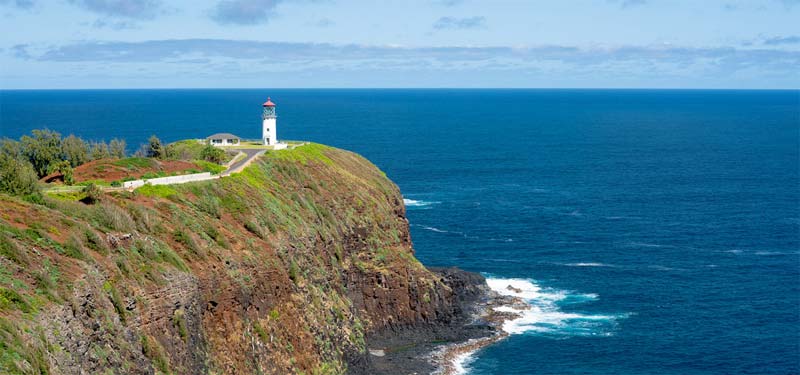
(17, 176)
(43, 149)
(11, 148)
(75, 150)
(100, 151)
(117, 148)
(212, 154)
(65, 168)
(155, 150)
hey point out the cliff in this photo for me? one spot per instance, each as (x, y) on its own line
(295, 265)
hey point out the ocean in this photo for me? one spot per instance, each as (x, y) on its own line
(651, 231)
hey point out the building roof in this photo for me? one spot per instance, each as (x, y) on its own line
(222, 136)
(269, 103)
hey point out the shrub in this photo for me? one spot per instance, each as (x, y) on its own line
(9, 298)
(153, 350)
(93, 194)
(293, 271)
(261, 332)
(74, 248)
(254, 228)
(94, 242)
(112, 217)
(155, 150)
(184, 150)
(212, 154)
(10, 250)
(180, 323)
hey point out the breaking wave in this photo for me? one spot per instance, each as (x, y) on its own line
(412, 203)
(544, 315)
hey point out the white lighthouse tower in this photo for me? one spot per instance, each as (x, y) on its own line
(269, 131)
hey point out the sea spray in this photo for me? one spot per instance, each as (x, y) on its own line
(543, 313)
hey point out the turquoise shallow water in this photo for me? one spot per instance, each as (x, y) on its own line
(654, 232)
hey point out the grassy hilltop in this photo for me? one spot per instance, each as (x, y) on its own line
(283, 268)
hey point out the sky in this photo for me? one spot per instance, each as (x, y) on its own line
(73, 44)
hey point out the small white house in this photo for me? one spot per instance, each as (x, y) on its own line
(223, 139)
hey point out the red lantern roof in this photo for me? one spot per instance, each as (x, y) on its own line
(269, 103)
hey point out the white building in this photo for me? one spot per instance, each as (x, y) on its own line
(223, 139)
(269, 131)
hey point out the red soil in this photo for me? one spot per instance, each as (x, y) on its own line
(106, 170)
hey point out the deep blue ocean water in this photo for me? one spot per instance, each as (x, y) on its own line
(658, 232)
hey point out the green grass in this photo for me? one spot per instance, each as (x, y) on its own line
(17, 355)
(116, 300)
(134, 163)
(162, 191)
(304, 154)
(93, 182)
(209, 166)
(274, 314)
(71, 196)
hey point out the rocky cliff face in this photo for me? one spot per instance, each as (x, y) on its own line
(288, 267)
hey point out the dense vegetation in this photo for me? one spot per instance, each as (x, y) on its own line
(23, 162)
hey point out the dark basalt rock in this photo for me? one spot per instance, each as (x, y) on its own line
(406, 349)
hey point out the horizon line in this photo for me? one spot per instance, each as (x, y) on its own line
(405, 88)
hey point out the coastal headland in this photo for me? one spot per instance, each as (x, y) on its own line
(300, 263)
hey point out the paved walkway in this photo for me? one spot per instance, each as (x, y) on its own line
(250, 154)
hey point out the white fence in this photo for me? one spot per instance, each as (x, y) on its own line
(170, 180)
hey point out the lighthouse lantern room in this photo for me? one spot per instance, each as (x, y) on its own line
(269, 131)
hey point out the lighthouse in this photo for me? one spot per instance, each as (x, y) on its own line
(269, 131)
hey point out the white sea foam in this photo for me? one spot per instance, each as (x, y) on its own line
(768, 253)
(417, 203)
(645, 244)
(461, 362)
(588, 264)
(434, 229)
(545, 315)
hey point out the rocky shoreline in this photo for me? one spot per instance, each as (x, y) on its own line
(435, 348)
(448, 357)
